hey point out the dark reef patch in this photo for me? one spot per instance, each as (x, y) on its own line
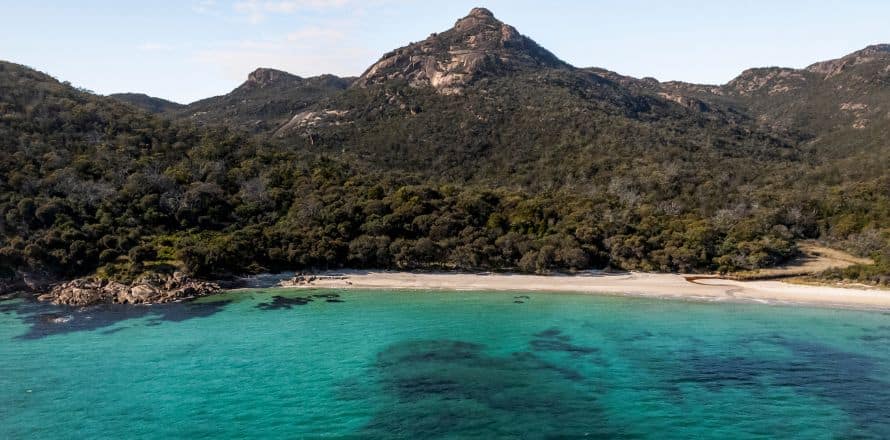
(284, 303)
(112, 331)
(554, 340)
(188, 310)
(54, 318)
(639, 336)
(450, 389)
(849, 380)
(325, 295)
(875, 338)
(549, 333)
(551, 345)
(879, 334)
(48, 320)
(9, 306)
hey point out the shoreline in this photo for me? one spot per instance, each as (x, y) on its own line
(648, 285)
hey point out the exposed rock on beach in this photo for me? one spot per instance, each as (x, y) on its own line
(153, 289)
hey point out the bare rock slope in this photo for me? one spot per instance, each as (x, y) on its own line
(477, 45)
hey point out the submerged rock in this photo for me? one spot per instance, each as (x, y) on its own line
(151, 289)
(281, 302)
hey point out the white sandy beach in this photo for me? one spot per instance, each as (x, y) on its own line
(669, 286)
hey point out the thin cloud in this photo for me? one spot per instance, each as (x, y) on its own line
(307, 51)
(153, 47)
(205, 6)
(315, 33)
(292, 6)
(235, 63)
(257, 10)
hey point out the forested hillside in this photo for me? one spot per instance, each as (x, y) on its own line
(505, 158)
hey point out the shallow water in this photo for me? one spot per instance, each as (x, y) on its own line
(278, 364)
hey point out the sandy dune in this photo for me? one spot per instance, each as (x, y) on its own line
(638, 284)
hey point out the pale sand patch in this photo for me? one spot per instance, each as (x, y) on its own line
(638, 284)
(815, 259)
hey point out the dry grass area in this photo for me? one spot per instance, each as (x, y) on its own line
(813, 281)
(815, 259)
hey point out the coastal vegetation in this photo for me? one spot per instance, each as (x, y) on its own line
(515, 166)
(90, 185)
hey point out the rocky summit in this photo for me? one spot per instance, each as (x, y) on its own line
(262, 77)
(478, 45)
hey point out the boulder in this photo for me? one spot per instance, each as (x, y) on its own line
(151, 289)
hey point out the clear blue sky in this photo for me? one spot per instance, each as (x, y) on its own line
(189, 49)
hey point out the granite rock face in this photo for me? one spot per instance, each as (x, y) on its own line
(878, 53)
(153, 289)
(263, 77)
(478, 45)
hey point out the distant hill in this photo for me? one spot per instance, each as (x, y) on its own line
(268, 99)
(147, 103)
(838, 111)
(852, 92)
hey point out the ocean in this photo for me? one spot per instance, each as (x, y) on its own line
(278, 363)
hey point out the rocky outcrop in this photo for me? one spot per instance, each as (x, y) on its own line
(8, 286)
(152, 289)
(770, 81)
(265, 77)
(832, 68)
(303, 280)
(26, 282)
(478, 45)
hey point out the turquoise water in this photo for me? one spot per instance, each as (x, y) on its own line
(442, 365)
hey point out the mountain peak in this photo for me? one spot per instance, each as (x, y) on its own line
(479, 45)
(480, 13)
(476, 17)
(264, 77)
(877, 48)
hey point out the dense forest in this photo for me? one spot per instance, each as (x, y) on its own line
(535, 170)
